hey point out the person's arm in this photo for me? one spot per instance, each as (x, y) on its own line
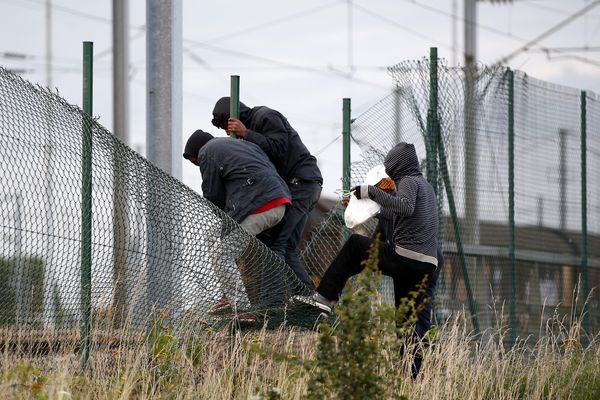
(273, 138)
(213, 188)
(403, 203)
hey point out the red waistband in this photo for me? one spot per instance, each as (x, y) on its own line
(272, 204)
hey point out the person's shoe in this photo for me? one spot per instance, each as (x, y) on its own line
(246, 318)
(315, 300)
(222, 306)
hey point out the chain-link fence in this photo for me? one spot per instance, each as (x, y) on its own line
(158, 246)
(463, 134)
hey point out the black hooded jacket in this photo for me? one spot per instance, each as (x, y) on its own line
(238, 177)
(271, 131)
(413, 208)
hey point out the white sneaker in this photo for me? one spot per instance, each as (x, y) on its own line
(315, 300)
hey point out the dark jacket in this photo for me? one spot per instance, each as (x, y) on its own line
(385, 229)
(413, 208)
(238, 177)
(272, 132)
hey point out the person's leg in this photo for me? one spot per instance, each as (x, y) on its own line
(424, 318)
(257, 223)
(346, 264)
(308, 194)
(304, 197)
(225, 253)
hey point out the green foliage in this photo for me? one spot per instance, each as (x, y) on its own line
(29, 381)
(31, 291)
(169, 349)
(347, 357)
(580, 372)
(8, 308)
(358, 357)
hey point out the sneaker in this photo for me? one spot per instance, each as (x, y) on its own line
(246, 318)
(222, 306)
(315, 300)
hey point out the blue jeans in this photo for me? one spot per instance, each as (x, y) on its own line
(305, 195)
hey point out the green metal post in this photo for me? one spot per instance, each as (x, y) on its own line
(584, 238)
(86, 206)
(511, 208)
(458, 237)
(346, 115)
(432, 165)
(346, 130)
(234, 112)
(234, 100)
(435, 147)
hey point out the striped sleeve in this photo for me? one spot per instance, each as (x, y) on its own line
(403, 203)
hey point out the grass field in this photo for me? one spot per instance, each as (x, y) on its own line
(270, 364)
(366, 354)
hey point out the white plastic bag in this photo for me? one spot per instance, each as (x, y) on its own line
(358, 211)
(375, 174)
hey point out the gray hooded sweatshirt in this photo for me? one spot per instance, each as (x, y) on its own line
(413, 208)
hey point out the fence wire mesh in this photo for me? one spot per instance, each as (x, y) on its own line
(473, 172)
(157, 246)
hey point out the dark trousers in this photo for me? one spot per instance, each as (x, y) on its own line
(304, 198)
(405, 272)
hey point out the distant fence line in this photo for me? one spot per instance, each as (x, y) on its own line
(516, 226)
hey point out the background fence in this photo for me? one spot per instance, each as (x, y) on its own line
(517, 265)
(157, 245)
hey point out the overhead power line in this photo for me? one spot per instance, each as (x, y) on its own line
(487, 28)
(549, 9)
(515, 37)
(549, 32)
(579, 49)
(77, 13)
(273, 22)
(398, 25)
(308, 69)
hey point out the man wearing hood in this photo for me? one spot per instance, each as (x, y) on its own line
(237, 177)
(271, 131)
(412, 252)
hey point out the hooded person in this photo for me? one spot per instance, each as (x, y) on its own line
(272, 132)
(411, 252)
(237, 177)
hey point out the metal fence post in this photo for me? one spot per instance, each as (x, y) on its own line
(86, 206)
(432, 115)
(346, 120)
(433, 127)
(234, 99)
(346, 130)
(584, 241)
(511, 207)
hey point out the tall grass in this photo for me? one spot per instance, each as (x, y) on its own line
(457, 365)
(367, 354)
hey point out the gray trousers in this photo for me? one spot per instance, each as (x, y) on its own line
(227, 250)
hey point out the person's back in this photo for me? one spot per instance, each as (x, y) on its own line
(272, 132)
(413, 208)
(239, 178)
(249, 179)
(296, 161)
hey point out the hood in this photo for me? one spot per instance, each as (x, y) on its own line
(195, 143)
(402, 161)
(221, 112)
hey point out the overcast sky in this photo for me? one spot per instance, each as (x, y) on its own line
(294, 56)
